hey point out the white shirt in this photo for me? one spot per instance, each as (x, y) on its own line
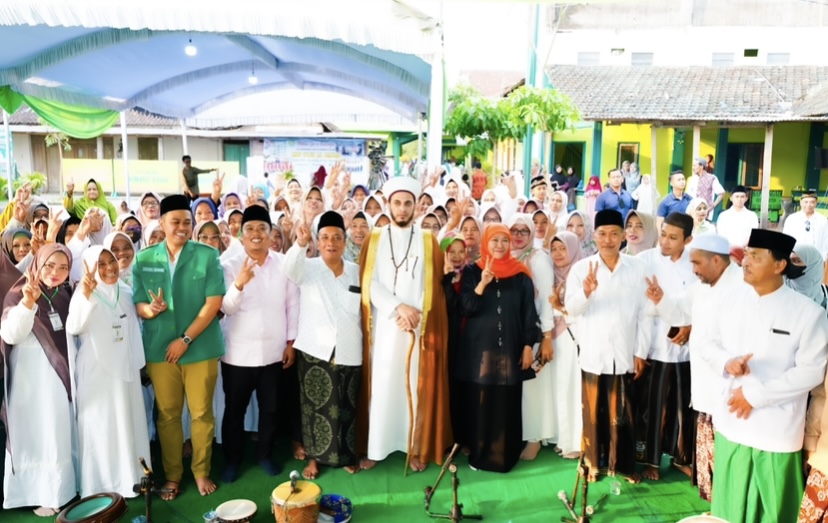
(673, 278)
(787, 334)
(810, 230)
(693, 186)
(703, 304)
(611, 326)
(329, 310)
(736, 225)
(262, 318)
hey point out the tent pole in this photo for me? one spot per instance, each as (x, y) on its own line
(653, 158)
(434, 151)
(696, 142)
(7, 133)
(185, 149)
(766, 176)
(125, 156)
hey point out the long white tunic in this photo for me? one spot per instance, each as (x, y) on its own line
(389, 410)
(787, 334)
(112, 422)
(810, 230)
(539, 395)
(673, 277)
(736, 225)
(567, 381)
(41, 422)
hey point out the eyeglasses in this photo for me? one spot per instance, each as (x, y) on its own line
(520, 232)
(149, 203)
(209, 238)
(136, 229)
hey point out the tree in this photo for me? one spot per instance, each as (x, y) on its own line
(483, 122)
(55, 137)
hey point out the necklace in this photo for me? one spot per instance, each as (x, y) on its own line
(404, 259)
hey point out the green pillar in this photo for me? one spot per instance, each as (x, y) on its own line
(597, 150)
(677, 162)
(721, 154)
(812, 171)
(396, 144)
(551, 163)
(530, 81)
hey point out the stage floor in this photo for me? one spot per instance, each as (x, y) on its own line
(527, 494)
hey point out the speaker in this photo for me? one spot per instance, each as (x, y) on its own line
(821, 158)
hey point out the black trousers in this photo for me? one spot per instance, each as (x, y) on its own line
(239, 384)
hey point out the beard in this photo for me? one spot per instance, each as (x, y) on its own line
(402, 221)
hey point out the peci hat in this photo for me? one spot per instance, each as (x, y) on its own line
(174, 202)
(330, 219)
(772, 240)
(715, 243)
(608, 217)
(256, 213)
(739, 188)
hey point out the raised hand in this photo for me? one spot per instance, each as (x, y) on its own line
(95, 221)
(245, 274)
(251, 200)
(591, 280)
(37, 242)
(218, 183)
(24, 193)
(54, 227)
(448, 267)
(21, 211)
(737, 367)
(31, 291)
(654, 292)
(487, 275)
(303, 235)
(158, 305)
(88, 283)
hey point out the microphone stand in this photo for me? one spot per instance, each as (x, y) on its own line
(147, 488)
(587, 511)
(455, 515)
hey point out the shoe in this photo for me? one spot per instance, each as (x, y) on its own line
(230, 474)
(269, 467)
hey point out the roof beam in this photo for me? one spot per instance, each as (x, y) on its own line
(265, 56)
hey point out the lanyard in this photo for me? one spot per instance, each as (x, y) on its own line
(107, 302)
(50, 298)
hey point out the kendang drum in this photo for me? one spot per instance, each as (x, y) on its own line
(301, 506)
(106, 507)
(236, 511)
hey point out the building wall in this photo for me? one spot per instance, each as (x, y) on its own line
(22, 152)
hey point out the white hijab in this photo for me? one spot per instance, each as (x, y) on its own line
(111, 304)
(125, 274)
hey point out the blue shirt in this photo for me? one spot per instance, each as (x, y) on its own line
(621, 202)
(672, 204)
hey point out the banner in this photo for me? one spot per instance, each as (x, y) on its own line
(304, 156)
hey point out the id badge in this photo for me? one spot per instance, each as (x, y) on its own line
(57, 325)
(117, 332)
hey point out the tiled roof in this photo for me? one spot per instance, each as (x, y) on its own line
(134, 118)
(492, 83)
(727, 94)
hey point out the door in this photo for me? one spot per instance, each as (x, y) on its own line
(744, 164)
(570, 154)
(237, 152)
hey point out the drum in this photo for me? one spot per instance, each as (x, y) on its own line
(703, 519)
(107, 507)
(301, 506)
(236, 511)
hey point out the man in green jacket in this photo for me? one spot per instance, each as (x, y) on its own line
(178, 287)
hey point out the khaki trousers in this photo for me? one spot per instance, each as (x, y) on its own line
(195, 382)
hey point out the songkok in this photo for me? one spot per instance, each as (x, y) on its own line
(256, 213)
(401, 183)
(608, 217)
(715, 243)
(174, 202)
(450, 238)
(330, 219)
(537, 181)
(739, 188)
(772, 240)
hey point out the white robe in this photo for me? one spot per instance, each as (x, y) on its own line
(112, 422)
(389, 409)
(41, 422)
(567, 380)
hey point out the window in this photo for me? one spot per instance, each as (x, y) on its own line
(642, 59)
(147, 148)
(587, 59)
(722, 59)
(751, 53)
(779, 58)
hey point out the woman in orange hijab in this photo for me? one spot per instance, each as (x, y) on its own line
(497, 298)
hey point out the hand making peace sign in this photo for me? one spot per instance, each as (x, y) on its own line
(158, 304)
(88, 282)
(487, 275)
(246, 273)
(31, 291)
(591, 280)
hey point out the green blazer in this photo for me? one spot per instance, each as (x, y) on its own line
(198, 275)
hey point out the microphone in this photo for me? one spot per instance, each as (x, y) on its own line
(294, 477)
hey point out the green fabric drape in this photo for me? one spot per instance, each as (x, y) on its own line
(75, 121)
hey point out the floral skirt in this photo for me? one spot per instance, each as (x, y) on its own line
(815, 499)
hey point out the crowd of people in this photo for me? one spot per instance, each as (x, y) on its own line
(429, 312)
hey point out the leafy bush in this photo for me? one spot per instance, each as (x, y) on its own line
(35, 179)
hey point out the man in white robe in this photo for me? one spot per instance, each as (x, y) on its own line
(404, 403)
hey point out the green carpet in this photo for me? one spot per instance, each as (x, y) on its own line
(528, 494)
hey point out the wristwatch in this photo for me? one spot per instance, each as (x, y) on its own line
(186, 339)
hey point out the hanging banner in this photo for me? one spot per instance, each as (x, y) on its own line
(304, 156)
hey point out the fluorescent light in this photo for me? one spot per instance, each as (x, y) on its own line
(252, 79)
(190, 50)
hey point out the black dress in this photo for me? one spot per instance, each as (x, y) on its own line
(499, 324)
(455, 322)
